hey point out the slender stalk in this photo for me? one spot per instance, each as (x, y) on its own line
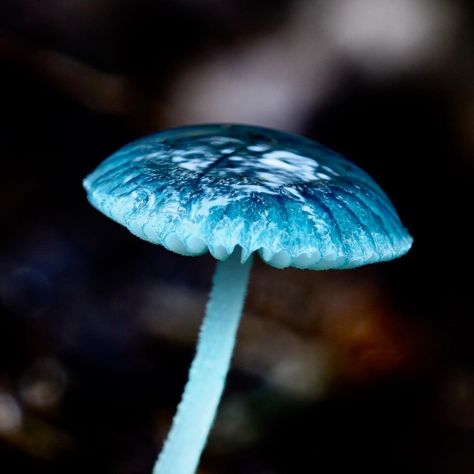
(198, 406)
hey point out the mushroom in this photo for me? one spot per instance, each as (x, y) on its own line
(237, 190)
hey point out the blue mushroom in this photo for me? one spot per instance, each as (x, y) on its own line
(236, 191)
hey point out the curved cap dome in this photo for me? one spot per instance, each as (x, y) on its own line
(217, 187)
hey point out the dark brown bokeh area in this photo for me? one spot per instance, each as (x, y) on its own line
(369, 370)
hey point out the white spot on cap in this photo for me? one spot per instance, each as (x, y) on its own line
(258, 147)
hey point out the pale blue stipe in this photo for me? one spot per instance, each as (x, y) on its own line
(217, 187)
(196, 411)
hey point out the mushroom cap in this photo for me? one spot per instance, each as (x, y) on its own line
(219, 187)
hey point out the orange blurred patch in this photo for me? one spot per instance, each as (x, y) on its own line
(369, 341)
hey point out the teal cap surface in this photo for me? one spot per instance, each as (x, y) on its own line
(215, 188)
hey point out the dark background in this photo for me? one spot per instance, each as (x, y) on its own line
(368, 370)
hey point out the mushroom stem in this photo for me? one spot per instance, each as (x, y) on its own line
(198, 406)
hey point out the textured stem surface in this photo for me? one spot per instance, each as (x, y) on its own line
(197, 409)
